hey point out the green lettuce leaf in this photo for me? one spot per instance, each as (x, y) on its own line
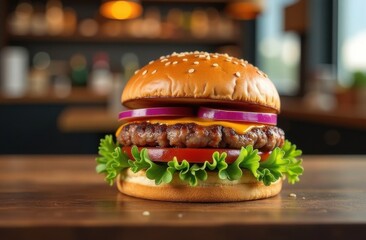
(294, 167)
(158, 173)
(247, 159)
(271, 170)
(141, 160)
(111, 160)
(251, 160)
(221, 165)
(198, 172)
(282, 161)
(182, 168)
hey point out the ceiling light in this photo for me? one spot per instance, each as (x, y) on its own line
(121, 9)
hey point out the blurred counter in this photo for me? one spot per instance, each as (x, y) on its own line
(87, 119)
(350, 116)
(61, 197)
(76, 95)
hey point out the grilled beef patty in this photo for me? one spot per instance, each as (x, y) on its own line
(191, 135)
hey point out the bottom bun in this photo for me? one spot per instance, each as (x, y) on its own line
(211, 190)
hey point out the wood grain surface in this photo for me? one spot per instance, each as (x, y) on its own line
(61, 197)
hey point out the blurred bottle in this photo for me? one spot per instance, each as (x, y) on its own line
(79, 71)
(70, 21)
(152, 23)
(226, 28)
(214, 22)
(114, 101)
(54, 17)
(135, 26)
(199, 23)
(14, 70)
(112, 28)
(39, 74)
(61, 82)
(130, 63)
(175, 23)
(88, 27)
(38, 23)
(19, 21)
(101, 79)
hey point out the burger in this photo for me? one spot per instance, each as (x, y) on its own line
(200, 127)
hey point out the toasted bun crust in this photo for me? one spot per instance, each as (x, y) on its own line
(199, 78)
(212, 190)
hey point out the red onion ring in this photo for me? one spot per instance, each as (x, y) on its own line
(237, 116)
(134, 114)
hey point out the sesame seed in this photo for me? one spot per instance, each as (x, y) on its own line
(175, 62)
(243, 64)
(181, 55)
(184, 59)
(202, 56)
(137, 71)
(196, 62)
(164, 60)
(215, 65)
(151, 62)
(226, 55)
(261, 73)
(303, 198)
(196, 52)
(144, 72)
(190, 70)
(174, 53)
(162, 57)
(146, 213)
(228, 60)
(293, 195)
(237, 74)
(180, 215)
(153, 72)
(236, 63)
(215, 56)
(167, 64)
(208, 57)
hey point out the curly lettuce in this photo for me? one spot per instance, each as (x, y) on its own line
(281, 162)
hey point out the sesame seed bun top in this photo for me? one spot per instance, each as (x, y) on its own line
(204, 79)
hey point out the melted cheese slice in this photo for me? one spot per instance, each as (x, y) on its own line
(239, 128)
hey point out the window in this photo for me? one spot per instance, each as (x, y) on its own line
(352, 40)
(278, 52)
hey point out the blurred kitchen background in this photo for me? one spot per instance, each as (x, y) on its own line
(63, 64)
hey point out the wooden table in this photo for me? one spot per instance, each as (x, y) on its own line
(61, 197)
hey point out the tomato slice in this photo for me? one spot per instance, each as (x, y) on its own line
(192, 155)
